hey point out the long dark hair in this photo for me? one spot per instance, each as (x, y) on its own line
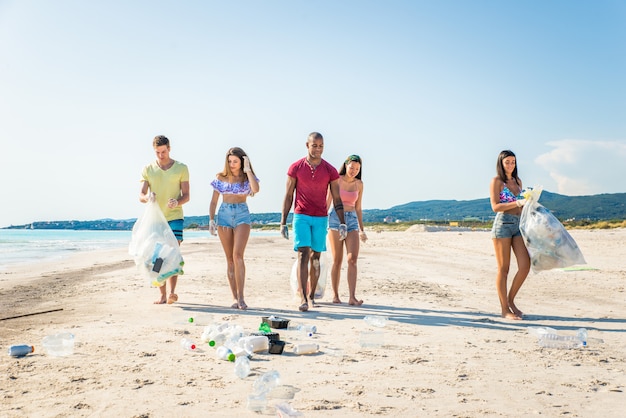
(500, 168)
(352, 158)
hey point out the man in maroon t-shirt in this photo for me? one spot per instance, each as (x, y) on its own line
(310, 178)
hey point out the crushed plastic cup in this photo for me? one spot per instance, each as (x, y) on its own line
(59, 345)
(372, 339)
(284, 409)
(257, 402)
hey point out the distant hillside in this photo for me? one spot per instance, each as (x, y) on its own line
(594, 208)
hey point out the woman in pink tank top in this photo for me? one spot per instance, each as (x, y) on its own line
(351, 193)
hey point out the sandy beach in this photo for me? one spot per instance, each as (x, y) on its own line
(446, 352)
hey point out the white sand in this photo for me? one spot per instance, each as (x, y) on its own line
(447, 352)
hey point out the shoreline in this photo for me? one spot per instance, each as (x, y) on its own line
(446, 350)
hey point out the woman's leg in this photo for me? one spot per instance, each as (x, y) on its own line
(523, 268)
(352, 251)
(227, 238)
(241, 235)
(502, 247)
(336, 247)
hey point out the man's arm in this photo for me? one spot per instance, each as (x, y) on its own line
(334, 191)
(144, 196)
(288, 201)
(184, 193)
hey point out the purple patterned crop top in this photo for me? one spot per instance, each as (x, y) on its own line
(225, 187)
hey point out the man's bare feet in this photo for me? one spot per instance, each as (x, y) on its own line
(242, 305)
(235, 305)
(303, 307)
(313, 304)
(160, 301)
(355, 302)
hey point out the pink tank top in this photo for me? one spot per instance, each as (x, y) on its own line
(348, 198)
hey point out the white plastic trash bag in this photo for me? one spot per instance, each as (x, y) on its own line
(549, 244)
(154, 247)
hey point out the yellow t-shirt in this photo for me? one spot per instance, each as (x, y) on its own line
(166, 185)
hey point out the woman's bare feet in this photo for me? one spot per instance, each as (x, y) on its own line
(355, 302)
(304, 306)
(511, 315)
(336, 299)
(242, 305)
(235, 305)
(160, 301)
(514, 309)
(173, 298)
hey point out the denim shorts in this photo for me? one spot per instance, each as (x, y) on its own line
(505, 226)
(177, 228)
(310, 231)
(231, 215)
(352, 221)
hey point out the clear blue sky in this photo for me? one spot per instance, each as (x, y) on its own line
(427, 92)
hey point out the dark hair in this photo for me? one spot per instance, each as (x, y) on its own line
(352, 158)
(500, 168)
(239, 153)
(315, 135)
(160, 140)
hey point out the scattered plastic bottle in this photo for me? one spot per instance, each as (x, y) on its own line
(306, 348)
(376, 320)
(187, 344)
(21, 350)
(217, 339)
(307, 330)
(582, 335)
(224, 353)
(266, 382)
(560, 341)
(242, 367)
(255, 343)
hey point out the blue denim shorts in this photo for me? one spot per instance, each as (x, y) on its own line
(310, 231)
(352, 221)
(505, 226)
(177, 228)
(231, 215)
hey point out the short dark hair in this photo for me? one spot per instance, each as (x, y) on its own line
(160, 140)
(315, 135)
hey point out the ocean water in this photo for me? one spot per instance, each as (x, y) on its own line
(21, 246)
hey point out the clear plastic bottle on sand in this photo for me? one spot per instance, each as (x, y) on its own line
(376, 320)
(242, 367)
(187, 344)
(21, 350)
(307, 330)
(255, 343)
(553, 340)
(266, 382)
(224, 353)
(306, 348)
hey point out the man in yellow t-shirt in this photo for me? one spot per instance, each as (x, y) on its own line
(166, 181)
